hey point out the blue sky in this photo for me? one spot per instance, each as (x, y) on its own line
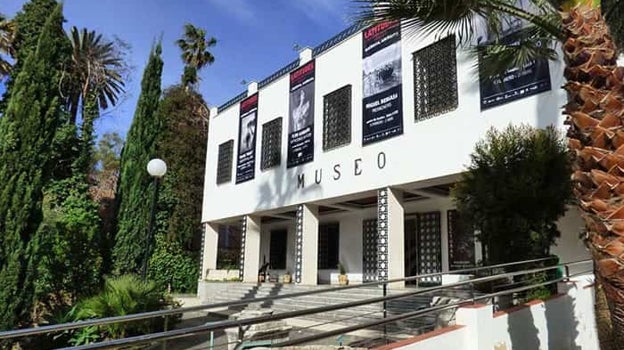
(255, 38)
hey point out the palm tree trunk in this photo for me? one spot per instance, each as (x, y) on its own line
(595, 112)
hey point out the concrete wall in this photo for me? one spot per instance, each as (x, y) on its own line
(563, 322)
(428, 149)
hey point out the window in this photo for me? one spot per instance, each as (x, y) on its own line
(435, 79)
(271, 143)
(224, 165)
(328, 246)
(277, 252)
(337, 118)
(229, 244)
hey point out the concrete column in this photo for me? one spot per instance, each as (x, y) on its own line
(306, 245)
(250, 245)
(210, 247)
(391, 236)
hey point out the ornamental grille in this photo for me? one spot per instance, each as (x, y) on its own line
(429, 247)
(337, 118)
(435, 79)
(224, 165)
(271, 143)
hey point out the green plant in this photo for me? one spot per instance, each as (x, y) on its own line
(514, 191)
(173, 268)
(342, 269)
(123, 295)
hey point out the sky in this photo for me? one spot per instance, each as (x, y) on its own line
(254, 39)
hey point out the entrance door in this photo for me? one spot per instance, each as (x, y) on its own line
(369, 250)
(429, 236)
(423, 247)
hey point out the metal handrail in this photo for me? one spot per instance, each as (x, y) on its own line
(161, 313)
(180, 333)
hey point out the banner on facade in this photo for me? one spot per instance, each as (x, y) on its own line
(518, 82)
(301, 116)
(246, 162)
(461, 243)
(382, 115)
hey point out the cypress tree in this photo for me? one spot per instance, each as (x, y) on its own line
(29, 23)
(135, 189)
(27, 129)
(183, 146)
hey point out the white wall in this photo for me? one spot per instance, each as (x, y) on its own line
(428, 149)
(562, 322)
(570, 247)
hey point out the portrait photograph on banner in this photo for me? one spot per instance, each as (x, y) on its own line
(382, 115)
(301, 116)
(518, 82)
(246, 161)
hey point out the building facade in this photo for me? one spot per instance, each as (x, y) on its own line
(347, 155)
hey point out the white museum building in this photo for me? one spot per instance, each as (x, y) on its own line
(347, 155)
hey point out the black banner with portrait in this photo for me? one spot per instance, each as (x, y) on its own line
(382, 115)
(301, 116)
(518, 82)
(461, 243)
(246, 161)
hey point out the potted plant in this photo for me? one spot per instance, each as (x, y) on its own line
(343, 280)
(287, 278)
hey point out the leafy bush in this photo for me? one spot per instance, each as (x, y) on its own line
(172, 267)
(123, 295)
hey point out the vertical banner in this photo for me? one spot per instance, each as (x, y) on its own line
(461, 243)
(518, 82)
(382, 115)
(301, 116)
(246, 163)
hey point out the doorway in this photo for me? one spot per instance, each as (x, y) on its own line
(423, 247)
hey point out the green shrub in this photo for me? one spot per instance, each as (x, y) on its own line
(172, 267)
(123, 295)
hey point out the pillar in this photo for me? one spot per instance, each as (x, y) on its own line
(210, 246)
(390, 236)
(250, 248)
(306, 245)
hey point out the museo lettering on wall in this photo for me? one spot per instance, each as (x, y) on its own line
(301, 116)
(382, 115)
(246, 160)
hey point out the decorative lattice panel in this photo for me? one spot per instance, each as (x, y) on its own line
(298, 243)
(271, 143)
(202, 250)
(369, 250)
(224, 163)
(435, 79)
(429, 247)
(241, 267)
(337, 118)
(382, 234)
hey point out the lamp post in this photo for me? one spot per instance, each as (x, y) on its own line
(157, 169)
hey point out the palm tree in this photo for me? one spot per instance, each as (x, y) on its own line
(7, 34)
(195, 54)
(96, 69)
(595, 105)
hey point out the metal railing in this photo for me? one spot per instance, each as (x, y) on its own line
(173, 334)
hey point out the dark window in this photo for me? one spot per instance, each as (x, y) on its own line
(337, 118)
(228, 254)
(328, 246)
(224, 165)
(435, 79)
(271, 143)
(277, 252)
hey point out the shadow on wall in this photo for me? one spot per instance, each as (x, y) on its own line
(561, 323)
(549, 104)
(522, 331)
(282, 187)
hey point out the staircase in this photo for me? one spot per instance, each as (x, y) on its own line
(224, 292)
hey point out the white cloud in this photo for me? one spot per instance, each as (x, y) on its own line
(239, 9)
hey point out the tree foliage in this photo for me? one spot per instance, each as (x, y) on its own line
(514, 191)
(182, 145)
(135, 190)
(27, 130)
(195, 54)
